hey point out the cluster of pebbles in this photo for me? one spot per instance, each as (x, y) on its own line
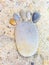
(13, 12)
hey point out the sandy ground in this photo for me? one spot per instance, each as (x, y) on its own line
(8, 52)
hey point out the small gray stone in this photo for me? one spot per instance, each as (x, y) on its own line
(28, 14)
(23, 15)
(16, 16)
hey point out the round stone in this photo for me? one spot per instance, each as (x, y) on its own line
(27, 38)
(35, 17)
(12, 22)
(28, 15)
(16, 16)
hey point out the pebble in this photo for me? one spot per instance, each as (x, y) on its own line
(32, 63)
(12, 21)
(16, 16)
(28, 15)
(27, 38)
(35, 17)
(23, 15)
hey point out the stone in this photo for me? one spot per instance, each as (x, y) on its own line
(27, 38)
